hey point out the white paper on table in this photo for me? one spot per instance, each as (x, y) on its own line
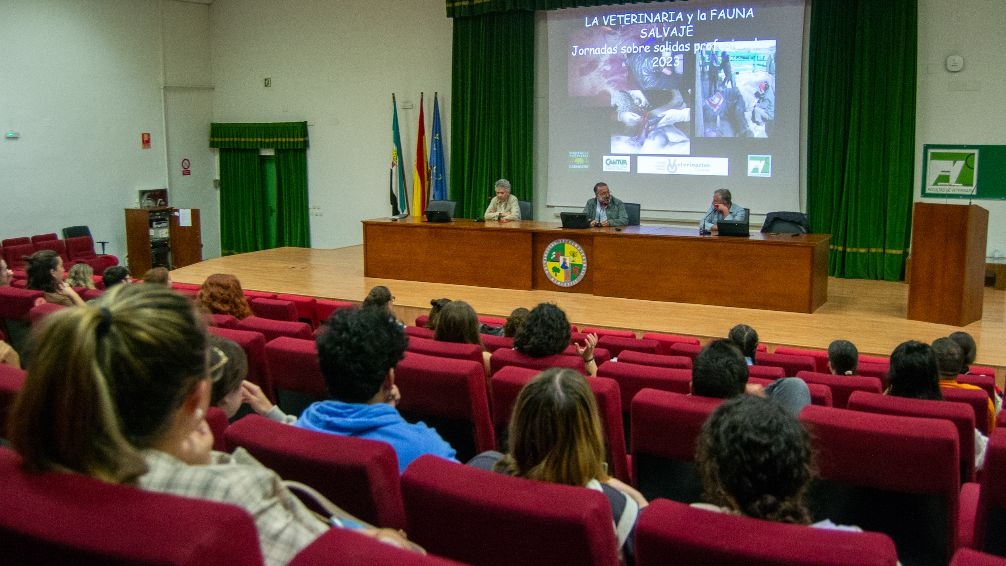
(185, 217)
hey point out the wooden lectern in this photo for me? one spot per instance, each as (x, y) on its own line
(948, 263)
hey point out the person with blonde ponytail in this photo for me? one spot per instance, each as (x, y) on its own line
(118, 390)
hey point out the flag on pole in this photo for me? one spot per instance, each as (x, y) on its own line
(420, 180)
(396, 175)
(438, 172)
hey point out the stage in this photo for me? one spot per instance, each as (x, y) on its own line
(870, 313)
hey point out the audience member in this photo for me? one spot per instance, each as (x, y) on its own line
(81, 276)
(6, 275)
(459, 323)
(158, 275)
(546, 333)
(968, 348)
(556, 436)
(515, 321)
(379, 297)
(949, 360)
(232, 390)
(130, 378)
(357, 351)
(720, 371)
(221, 293)
(843, 357)
(915, 374)
(436, 305)
(45, 273)
(754, 459)
(746, 340)
(114, 275)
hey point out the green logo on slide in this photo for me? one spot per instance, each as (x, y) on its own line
(759, 166)
(952, 171)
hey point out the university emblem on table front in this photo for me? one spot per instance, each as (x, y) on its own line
(564, 262)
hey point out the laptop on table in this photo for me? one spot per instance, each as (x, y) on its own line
(733, 228)
(574, 220)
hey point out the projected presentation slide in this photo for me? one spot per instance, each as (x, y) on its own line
(671, 100)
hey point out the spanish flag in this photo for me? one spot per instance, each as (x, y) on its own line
(420, 178)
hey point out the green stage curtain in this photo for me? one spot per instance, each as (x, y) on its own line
(242, 202)
(492, 108)
(861, 140)
(293, 224)
(245, 219)
(461, 8)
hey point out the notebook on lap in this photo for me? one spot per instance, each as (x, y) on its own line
(574, 220)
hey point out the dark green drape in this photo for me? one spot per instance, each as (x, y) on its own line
(242, 204)
(492, 108)
(293, 224)
(244, 214)
(861, 132)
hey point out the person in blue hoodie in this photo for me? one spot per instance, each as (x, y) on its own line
(358, 350)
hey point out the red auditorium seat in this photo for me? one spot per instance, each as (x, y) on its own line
(14, 254)
(81, 249)
(274, 309)
(419, 331)
(608, 332)
(507, 385)
(429, 347)
(667, 339)
(673, 532)
(216, 418)
(791, 365)
(841, 385)
(493, 343)
(982, 521)
(968, 557)
(68, 518)
(325, 307)
(44, 237)
(292, 364)
(978, 401)
(449, 395)
(684, 349)
(982, 370)
(250, 294)
(617, 344)
(892, 474)
(222, 320)
(275, 328)
(58, 246)
(659, 360)
(986, 382)
(665, 427)
(959, 414)
(503, 357)
(493, 519)
(253, 343)
(19, 241)
(767, 372)
(358, 475)
(872, 369)
(40, 311)
(820, 356)
(632, 378)
(355, 548)
(307, 307)
(504, 387)
(11, 381)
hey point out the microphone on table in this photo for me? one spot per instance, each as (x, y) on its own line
(702, 226)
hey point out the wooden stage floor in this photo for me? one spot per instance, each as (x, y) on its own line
(870, 313)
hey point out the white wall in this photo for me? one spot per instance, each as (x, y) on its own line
(948, 115)
(81, 79)
(335, 65)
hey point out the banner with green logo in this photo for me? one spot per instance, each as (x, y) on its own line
(964, 171)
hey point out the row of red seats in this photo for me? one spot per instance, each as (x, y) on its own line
(79, 249)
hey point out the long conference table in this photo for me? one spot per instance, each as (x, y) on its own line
(785, 272)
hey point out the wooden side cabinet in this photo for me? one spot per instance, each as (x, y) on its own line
(156, 238)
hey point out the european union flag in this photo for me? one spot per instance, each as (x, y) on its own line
(438, 171)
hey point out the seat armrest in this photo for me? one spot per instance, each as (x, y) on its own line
(967, 514)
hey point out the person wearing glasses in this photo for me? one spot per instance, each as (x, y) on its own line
(132, 373)
(722, 208)
(505, 206)
(604, 209)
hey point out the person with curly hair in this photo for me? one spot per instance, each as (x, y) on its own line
(459, 323)
(81, 276)
(515, 321)
(546, 333)
(556, 436)
(357, 351)
(221, 293)
(754, 459)
(45, 273)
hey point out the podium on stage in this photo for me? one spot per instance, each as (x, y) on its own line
(946, 283)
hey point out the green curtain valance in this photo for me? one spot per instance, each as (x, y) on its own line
(462, 8)
(275, 135)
